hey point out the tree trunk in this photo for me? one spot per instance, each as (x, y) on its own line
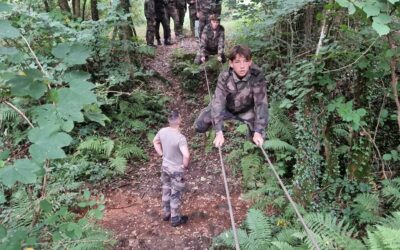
(94, 10)
(83, 10)
(394, 76)
(46, 6)
(76, 8)
(64, 5)
(308, 23)
(126, 29)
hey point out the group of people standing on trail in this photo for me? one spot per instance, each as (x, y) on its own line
(240, 94)
(162, 11)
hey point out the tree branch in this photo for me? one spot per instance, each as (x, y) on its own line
(19, 112)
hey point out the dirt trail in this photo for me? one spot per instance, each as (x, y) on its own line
(133, 206)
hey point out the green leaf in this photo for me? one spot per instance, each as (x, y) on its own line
(393, 1)
(371, 10)
(8, 51)
(382, 18)
(387, 157)
(71, 54)
(4, 154)
(343, 3)
(4, 7)
(29, 83)
(86, 194)
(48, 142)
(352, 9)
(7, 30)
(45, 206)
(382, 29)
(23, 171)
(3, 232)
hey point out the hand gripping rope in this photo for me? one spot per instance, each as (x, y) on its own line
(310, 234)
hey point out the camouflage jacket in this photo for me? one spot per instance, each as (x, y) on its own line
(181, 4)
(208, 6)
(149, 9)
(239, 96)
(212, 40)
(160, 7)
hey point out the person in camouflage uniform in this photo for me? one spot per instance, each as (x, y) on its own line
(240, 94)
(204, 9)
(181, 9)
(192, 16)
(212, 41)
(150, 13)
(172, 12)
(172, 146)
(161, 18)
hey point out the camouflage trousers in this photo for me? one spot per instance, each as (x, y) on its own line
(162, 19)
(192, 17)
(181, 10)
(204, 121)
(173, 13)
(172, 189)
(150, 31)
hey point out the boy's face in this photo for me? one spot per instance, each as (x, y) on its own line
(214, 24)
(240, 65)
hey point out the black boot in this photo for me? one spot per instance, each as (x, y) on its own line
(167, 42)
(158, 42)
(166, 217)
(179, 220)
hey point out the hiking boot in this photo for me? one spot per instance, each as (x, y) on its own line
(166, 43)
(151, 45)
(159, 42)
(179, 220)
(166, 217)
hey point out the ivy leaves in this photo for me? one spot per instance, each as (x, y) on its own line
(374, 9)
(347, 113)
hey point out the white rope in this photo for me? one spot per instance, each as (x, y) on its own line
(308, 231)
(224, 175)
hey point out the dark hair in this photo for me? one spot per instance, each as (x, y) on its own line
(240, 50)
(214, 17)
(173, 116)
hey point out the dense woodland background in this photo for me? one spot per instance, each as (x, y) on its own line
(77, 110)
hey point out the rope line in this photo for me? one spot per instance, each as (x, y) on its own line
(308, 231)
(228, 198)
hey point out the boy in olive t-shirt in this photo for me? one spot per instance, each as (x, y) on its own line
(172, 146)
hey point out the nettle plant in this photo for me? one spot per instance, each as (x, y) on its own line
(41, 80)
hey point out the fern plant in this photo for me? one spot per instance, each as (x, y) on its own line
(257, 233)
(386, 234)
(331, 233)
(366, 208)
(391, 191)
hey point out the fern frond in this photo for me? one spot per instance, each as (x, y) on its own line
(366, 206)
(131, 151)
(97, 145)
(278, 145)
(282, 245)
(384, 238)
(391, 191)
(119, 164)
(259, 226)
(331, 233)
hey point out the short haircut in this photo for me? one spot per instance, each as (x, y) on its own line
(214, 17)
(173, 116)
(240, 50)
